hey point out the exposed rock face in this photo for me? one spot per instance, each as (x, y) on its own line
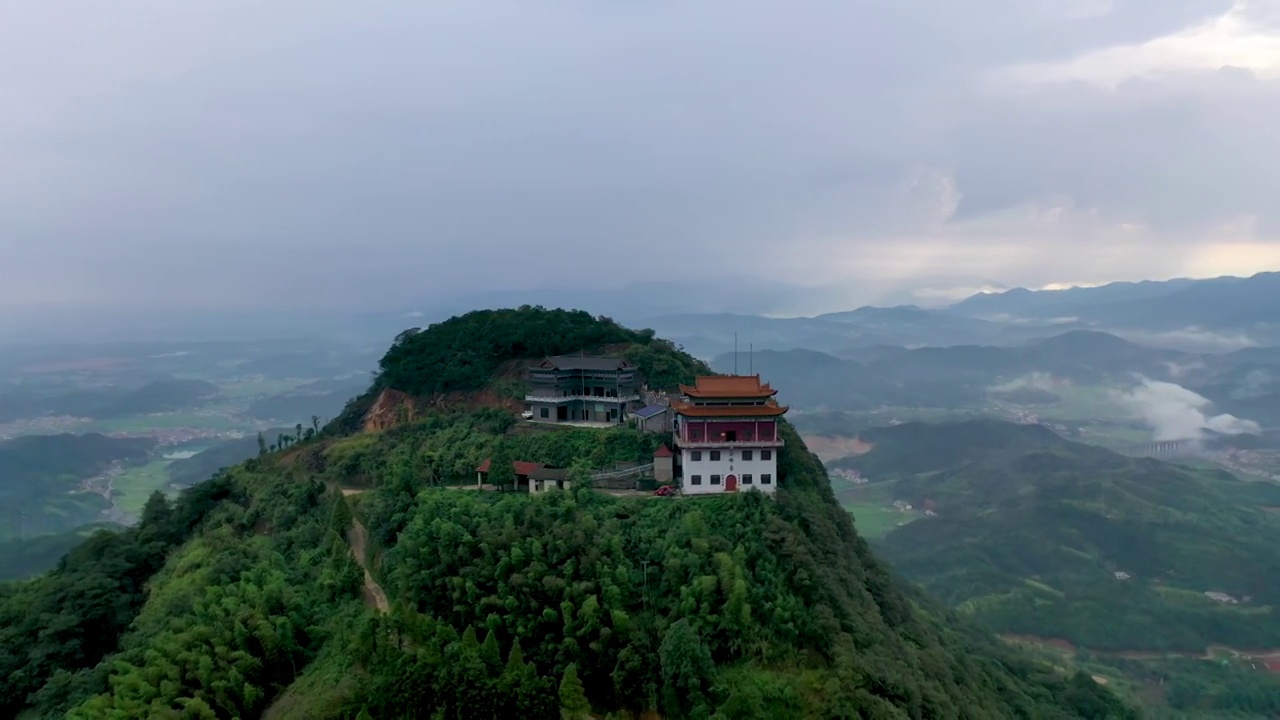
(392, 408)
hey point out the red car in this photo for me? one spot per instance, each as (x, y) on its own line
(665, 490)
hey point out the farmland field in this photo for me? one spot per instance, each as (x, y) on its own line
(135, 485)
(874, 520)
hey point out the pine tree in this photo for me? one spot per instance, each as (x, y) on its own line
(573, 697)
(490, 653)
(262, 444)
(515, 659)
(469, 638)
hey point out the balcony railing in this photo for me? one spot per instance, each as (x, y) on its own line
(577, 377)
(719, 444)
(587, 398)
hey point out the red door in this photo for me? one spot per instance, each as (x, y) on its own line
(731, 483)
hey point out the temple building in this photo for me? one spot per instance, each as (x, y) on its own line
(726, 434)
(572, 388)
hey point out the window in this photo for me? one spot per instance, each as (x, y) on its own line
(766, 454)
(746, 455)
(746, 479)
(715, 455)
(695, 456)
(731, 436)
(695, 479)
(766, 479)
(715, 479)
(544, 412)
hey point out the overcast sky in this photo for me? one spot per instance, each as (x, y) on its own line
(223, 153)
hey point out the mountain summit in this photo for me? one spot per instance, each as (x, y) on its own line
(362, 573)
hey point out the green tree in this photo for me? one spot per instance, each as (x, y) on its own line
(262, 444)
(580, 473)
(502, 473)
(687, 671)
(341, 518)
(573, 697)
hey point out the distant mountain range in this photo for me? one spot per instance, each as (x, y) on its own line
(1192, 315)
(1199, 315)
(1037, 372)
(161, 395)
(1219, 303)
(947, 377)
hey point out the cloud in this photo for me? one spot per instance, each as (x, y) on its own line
(1176, 413)
(1244, 37)
(1178, 370)
(318, 154)
(1190, 339)
(1256, 383)
(1033, 381)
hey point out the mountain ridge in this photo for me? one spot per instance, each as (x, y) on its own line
(1221, 302)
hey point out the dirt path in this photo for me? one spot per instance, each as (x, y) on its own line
(374, 596)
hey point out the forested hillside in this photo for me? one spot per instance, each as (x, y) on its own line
(1037, 536)
(245, 597)
(203, 465)
(462, 354)
(42, 480)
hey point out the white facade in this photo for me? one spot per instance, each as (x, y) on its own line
(539, 486)
(700, 474)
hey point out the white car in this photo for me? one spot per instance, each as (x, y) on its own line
(527, 414)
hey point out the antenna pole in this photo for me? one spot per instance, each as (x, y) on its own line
(735, 353)
(751, 358)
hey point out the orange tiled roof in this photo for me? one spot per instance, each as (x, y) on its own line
(521, 467)
(728, 386)
(708, 411)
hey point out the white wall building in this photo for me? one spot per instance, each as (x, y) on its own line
(726, 432)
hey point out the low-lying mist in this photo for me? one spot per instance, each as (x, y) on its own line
(1176, 413)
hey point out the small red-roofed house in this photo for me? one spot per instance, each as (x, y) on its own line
(664, 465)
(530, 476)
